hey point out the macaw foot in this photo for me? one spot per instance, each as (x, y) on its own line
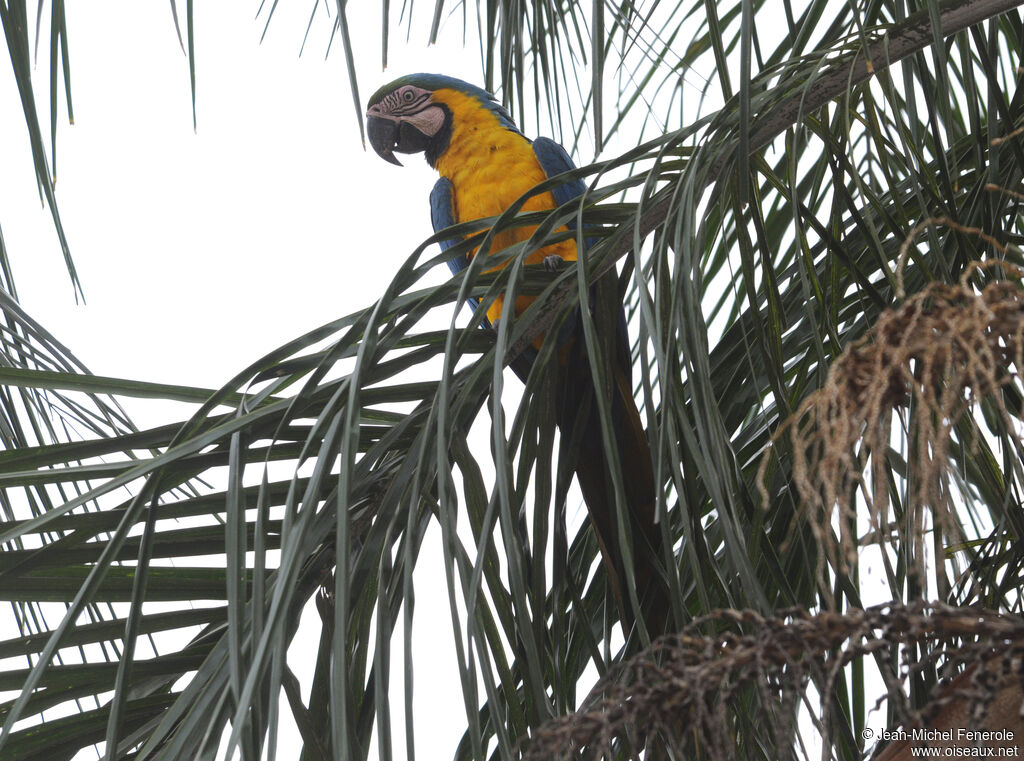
(553, 262)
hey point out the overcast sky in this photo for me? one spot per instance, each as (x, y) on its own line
(199, 251)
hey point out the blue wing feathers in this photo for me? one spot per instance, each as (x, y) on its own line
(554, 160)
(442, 215)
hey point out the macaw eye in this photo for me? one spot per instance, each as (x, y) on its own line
(408, 95)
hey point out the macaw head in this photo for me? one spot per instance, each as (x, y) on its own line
(414, 113)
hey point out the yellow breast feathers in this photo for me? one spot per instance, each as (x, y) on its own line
(490, 167)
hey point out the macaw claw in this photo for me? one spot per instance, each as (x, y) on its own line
(553, 262)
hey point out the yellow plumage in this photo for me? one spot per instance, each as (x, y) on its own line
(487, 166)
(490, 167)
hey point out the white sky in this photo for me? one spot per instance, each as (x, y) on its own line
(200, 251)
(267, 221)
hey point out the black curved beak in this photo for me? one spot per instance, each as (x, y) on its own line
(383, 134)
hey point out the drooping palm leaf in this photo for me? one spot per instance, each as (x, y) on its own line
(758, 242)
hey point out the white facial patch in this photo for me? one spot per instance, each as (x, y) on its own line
(428, 121)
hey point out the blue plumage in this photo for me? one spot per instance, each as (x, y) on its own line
(554, 160)
(442, 215)
(584, 447)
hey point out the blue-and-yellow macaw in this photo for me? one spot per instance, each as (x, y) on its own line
(486, 164)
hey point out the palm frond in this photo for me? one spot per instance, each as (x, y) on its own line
(756, 243)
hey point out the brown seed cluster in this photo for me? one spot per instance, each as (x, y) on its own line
(911, 379)
(678, 694)
(915, 374)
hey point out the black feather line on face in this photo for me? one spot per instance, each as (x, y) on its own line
(439, 143)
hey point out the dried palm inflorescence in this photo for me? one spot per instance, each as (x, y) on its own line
(941, 352)
(679, 691)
